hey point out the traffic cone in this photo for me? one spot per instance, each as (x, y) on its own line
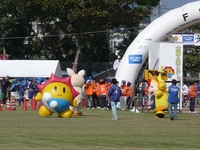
(14, 105)
(24, 105)
(40, 104)
(0, 106)
(33, 104)
(8, 104)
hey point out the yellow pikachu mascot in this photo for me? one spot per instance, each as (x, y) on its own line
(161, 94)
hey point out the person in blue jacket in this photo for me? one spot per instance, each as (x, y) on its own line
(114, 94)
(22, 87)
(173, 99)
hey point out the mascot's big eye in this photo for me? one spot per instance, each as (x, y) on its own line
(63, 90)
(55, 89)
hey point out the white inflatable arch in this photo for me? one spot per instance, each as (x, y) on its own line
(157, 31)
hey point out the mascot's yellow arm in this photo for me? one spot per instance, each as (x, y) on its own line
(74, 103)
(38, 97)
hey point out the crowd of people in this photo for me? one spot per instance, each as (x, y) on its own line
(108, 95)
(96, 94)
(19, 88)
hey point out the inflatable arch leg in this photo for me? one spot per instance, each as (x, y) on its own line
(158, 30)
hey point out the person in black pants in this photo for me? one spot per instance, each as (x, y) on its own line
(95, 97)
(5, 88)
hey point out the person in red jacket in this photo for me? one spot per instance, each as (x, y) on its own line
(123, 98)
(88, 94)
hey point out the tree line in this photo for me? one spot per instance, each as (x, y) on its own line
(52, 29)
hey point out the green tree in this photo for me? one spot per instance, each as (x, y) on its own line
(59, 21)
(13, 28)
(191, 57)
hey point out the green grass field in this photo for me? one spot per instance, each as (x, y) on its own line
(26, 130)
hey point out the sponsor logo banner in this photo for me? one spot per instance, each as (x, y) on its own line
(135, 59)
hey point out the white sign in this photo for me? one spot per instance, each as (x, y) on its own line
(171, 59)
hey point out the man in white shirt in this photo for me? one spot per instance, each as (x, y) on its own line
(116, 63)
(185, 95)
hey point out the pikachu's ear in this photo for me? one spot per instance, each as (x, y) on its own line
(70, 71)
(156, 78)
(150, 76)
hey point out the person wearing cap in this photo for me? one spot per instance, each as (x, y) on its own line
(88, 94)
(114, 94)
(129, 102)
(116, 63)
(173, 99)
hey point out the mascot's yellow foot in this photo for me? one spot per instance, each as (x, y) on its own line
(78, 114)
(65, 114)
(44, 111)
(160, 114)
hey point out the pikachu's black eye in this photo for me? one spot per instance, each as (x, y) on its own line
(55, 89)
(64, 90)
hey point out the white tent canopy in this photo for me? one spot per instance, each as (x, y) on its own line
(29, 68)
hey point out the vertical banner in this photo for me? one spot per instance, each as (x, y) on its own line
(171, 59)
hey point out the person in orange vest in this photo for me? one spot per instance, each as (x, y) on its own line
(108, 83)
(123, 97)
(88, 94)
(129, 102)
(95, 98)
(192, 93)
(102, 91)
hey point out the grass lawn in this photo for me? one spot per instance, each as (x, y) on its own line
(26, 130)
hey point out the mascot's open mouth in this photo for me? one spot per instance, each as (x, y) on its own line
(151, 93)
